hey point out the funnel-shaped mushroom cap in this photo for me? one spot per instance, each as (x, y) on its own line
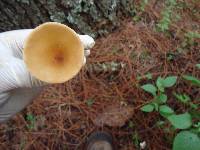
(53, 53)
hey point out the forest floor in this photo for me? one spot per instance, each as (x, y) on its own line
(161, 40)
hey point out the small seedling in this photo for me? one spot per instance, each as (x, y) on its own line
(131, 124)
(185, 99)
(160, 123)
(191, 36)
(160, 97)
(139, 10)
(198, 66)
(31, 119)
(167, 14)
(22, 144)
(143, 4)
(189, 40)
(195, 81)
(170, 57)
(135, 138)
(146, 76)
(90, 102)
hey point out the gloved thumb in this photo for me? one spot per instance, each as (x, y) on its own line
(14, 74)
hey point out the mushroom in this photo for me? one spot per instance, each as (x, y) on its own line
(53, 53)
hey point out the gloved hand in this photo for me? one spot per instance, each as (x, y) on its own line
(17, 86)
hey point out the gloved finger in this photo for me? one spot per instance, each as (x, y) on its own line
(13, 41)
(14, 74)
(87, 53)
(87, 41)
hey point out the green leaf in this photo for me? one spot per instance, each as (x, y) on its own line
(89, 102)
(182, 121)
(139, 78)
(159, 84)
(192, 35)
(182, 97)
(193, 106)
(162, 98)
(195, 114)
(192, 79)
(197, 125)
(148, 76)
(195, 130)
(169, 81)
(170, 56)
(136, 139)
(131, 124)
(147, 108)
(160, 123)
(150, 88)
(198, 66)
(31, 119)
(165, 110)
(136, 18)
(186, 140)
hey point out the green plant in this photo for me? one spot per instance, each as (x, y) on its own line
(181, 121)
(143, 4)
(198, 66)
(136, 139)
(22, 143)
(195, 81)
(182, 98)
(189, 40)
(131, 124)
(90, 102)
(185, 99)
(159, 97)
(186, 140)
(188, 137)
(170, 56)
(146, 76)
(167, 14)
(191, 36)
(197, 127)
(31, 119)
(192, 79)
(139, 10)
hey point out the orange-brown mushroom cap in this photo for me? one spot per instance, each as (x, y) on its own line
(53, 53)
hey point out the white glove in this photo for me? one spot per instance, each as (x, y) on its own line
(13, 71)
